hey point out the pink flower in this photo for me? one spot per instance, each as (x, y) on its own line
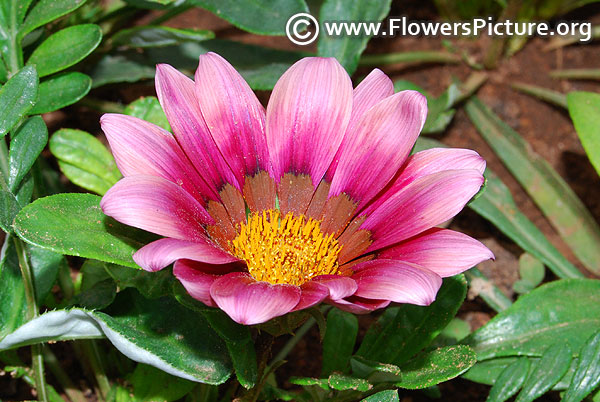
(314, 200)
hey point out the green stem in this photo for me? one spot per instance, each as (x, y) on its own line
(15, 54)
(37, 358)
(62, 377)
(410, 57)
(577, 74)
(289, 346)
(90, 348)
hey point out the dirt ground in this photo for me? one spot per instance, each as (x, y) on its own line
(548, 129)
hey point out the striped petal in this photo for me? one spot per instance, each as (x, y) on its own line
(338, 286)
(250, 302)
(423, 204)
(143, 148)
(195, 281)
(176, 94)
(396, 281)
(234, 115)
(429, 162)
(161, 253)
(156, 205)
(442, 251)
(307, 117)
(312, 294)
(374, 88)
(378, 146)
(359, 305)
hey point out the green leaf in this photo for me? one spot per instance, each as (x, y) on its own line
(121, 67)
(568, 309)
(437, 366)
(553, 365)
(148, 108)
(46, 11)
(243, 356)
(13, 306)
(98, 289)
(402, 331)
(84, 160)
(60, 91)
(383, 396)
(150, 284)
(73, 224)
(547, 95)
(338, 344)
(509, 381)
(587, 374)
(263, 17)
(9, 208)
(65, 48)
(151, 384)
(497, 205)
(577, 74)
(531, 271)
(17, 97)
(25, 146)
(156, 332)
(584, 108)
(348, 48)
(158, 36)
(555, 198)
(343, 382)
(44, 265)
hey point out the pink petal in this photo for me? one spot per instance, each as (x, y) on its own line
(375, 87)
(234, 115)
(442, 251)
(156, 205)
(196, 282)
(161, 253)
(423, 204)
(428, 162)
(396, 281)
(359, 305)
(339, 286)
(250, 302)
(307, 117)
(143, 148)
(176, 94)
(313, 293)
(378, 146)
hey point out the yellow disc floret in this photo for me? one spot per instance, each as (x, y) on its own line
(290, 250)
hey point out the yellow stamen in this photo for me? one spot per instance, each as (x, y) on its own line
(289, 250)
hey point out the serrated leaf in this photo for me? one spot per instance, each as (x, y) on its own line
(348, 48)
(84, 160)
(549, 191)
(159, 36)
(551, 367)
(60, 91)
(402, 331)
(73, 224)
(151, 384)
(568, 309)
(338, 344)
(65, 48)
(17, 97)
(584, 108)
(46, 11)
(156, 332)
(9, 208)
(25, 146)
(148, 108)
(587, 374)
(509, 381)
(263, 17)
(440, 365)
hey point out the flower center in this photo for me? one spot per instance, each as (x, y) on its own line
(289, 250)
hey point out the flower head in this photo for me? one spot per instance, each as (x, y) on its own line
(314, 200)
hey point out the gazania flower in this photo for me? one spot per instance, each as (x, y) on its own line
(313, 200)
